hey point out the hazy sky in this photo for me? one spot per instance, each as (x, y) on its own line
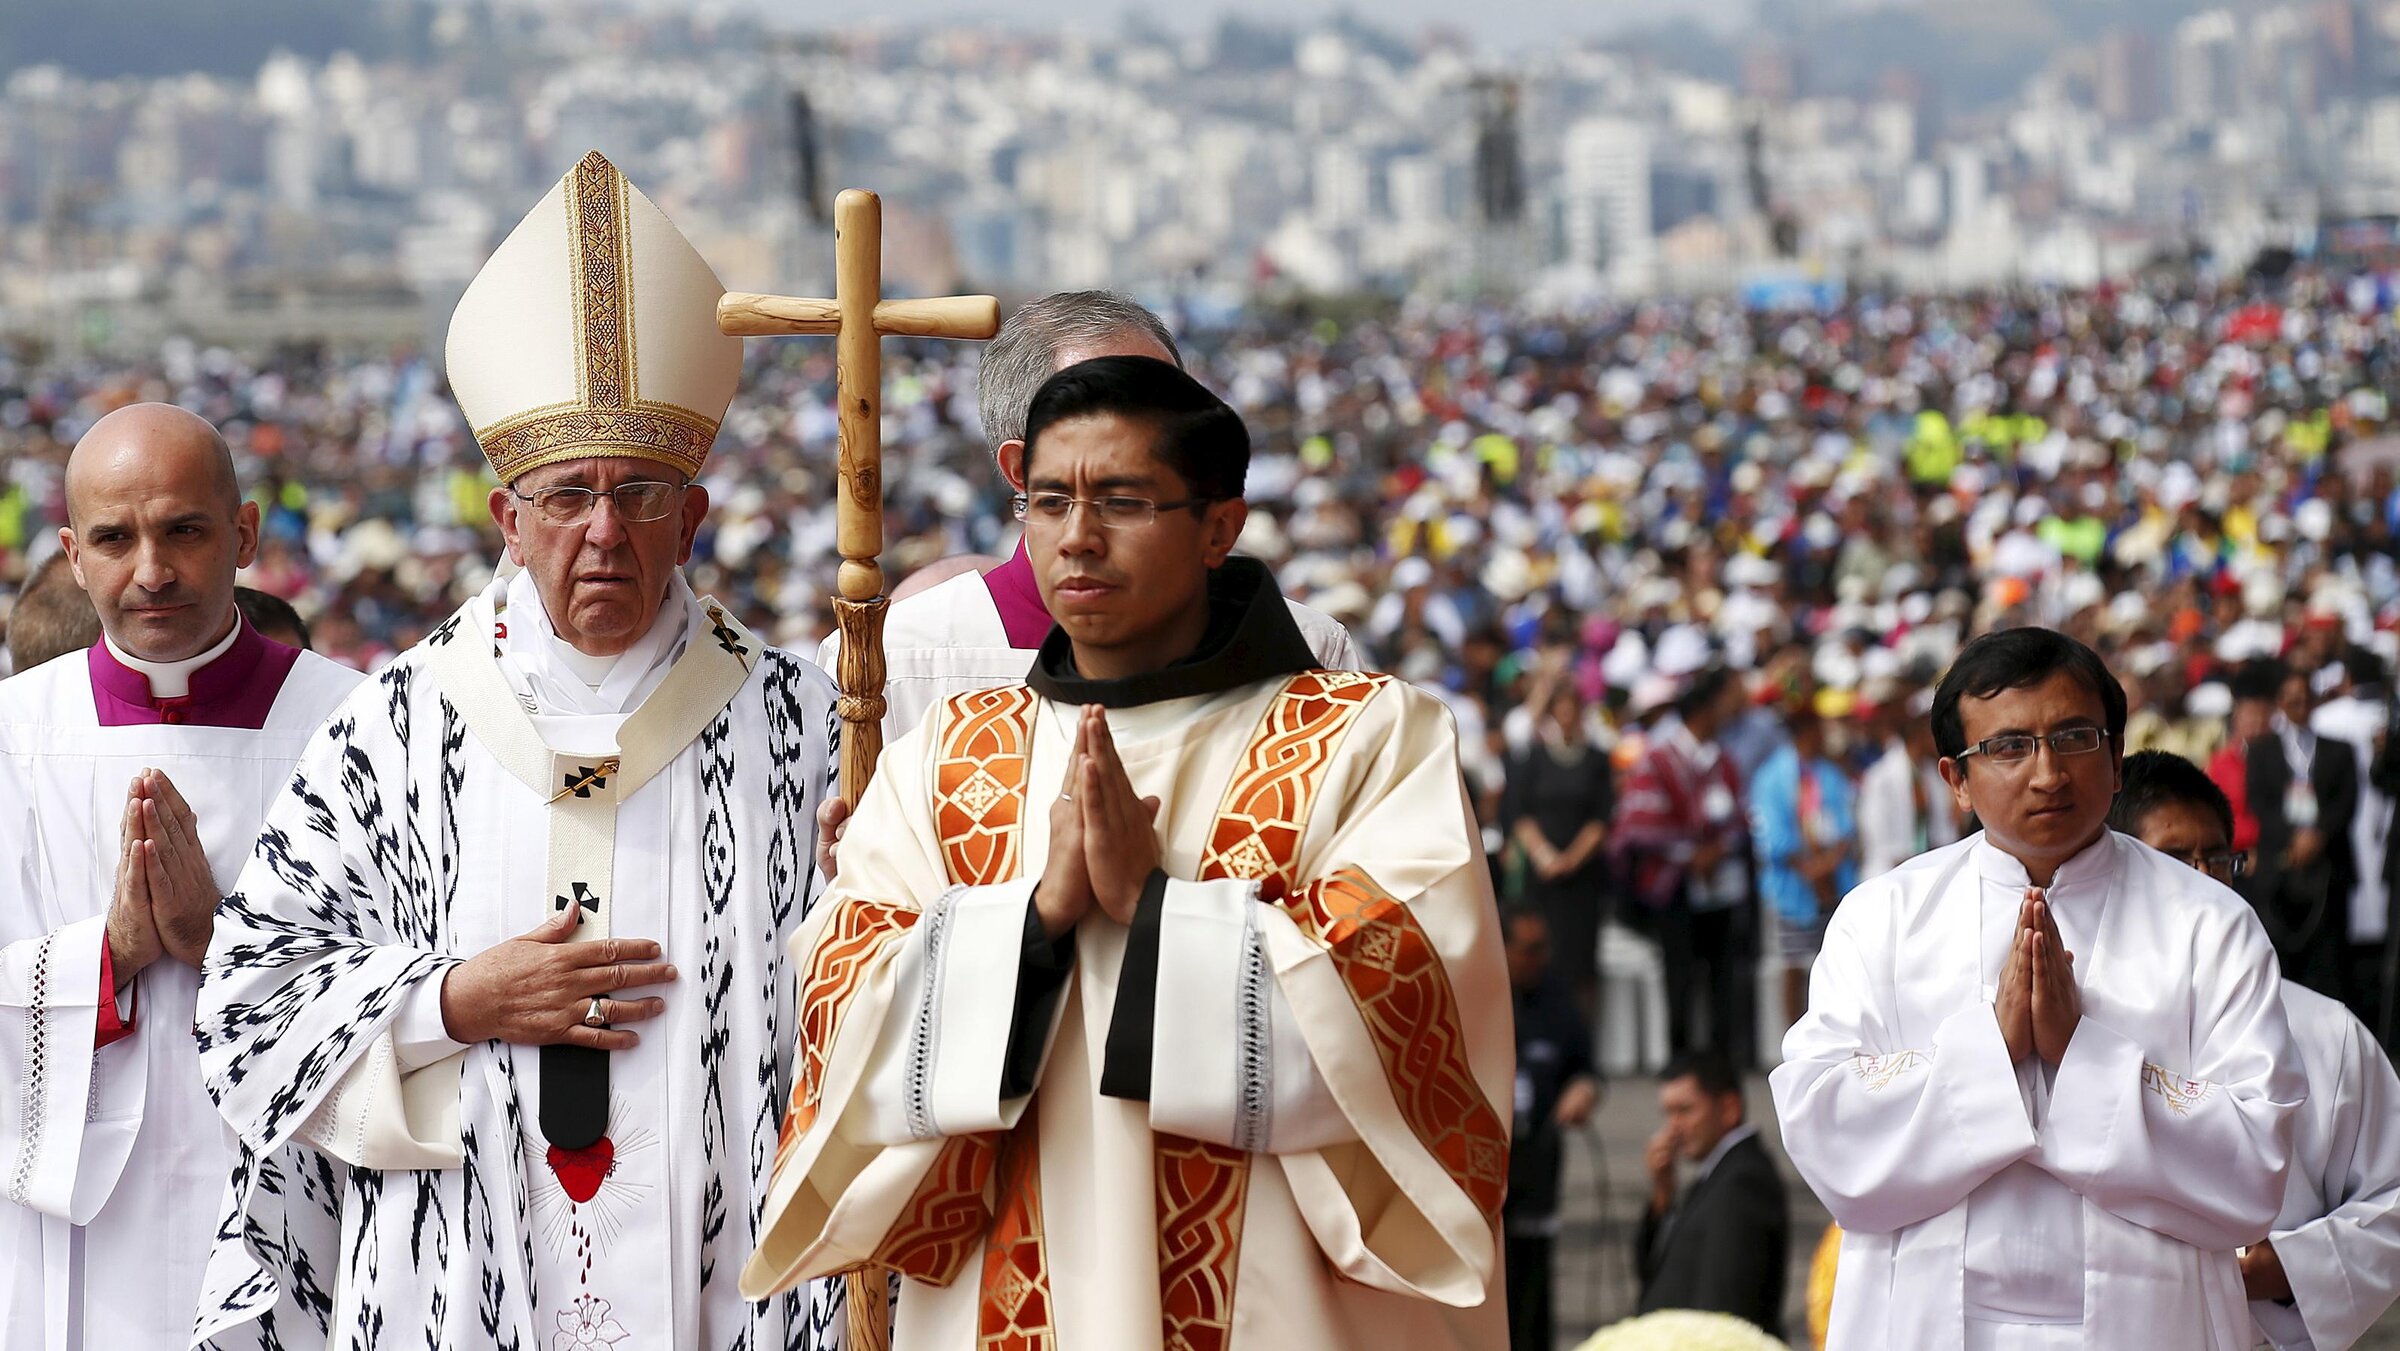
(1512, 24)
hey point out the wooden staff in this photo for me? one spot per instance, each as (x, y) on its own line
(858, 318)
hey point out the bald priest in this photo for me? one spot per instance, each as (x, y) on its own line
(500, 1007)
(133, 776)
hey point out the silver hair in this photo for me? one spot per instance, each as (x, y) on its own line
(1026, 352)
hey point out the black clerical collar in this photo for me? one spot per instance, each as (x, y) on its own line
(1250, 638)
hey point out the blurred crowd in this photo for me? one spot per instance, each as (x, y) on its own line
(1588, 532)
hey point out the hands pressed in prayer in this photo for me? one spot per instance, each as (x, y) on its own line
(1065, 892)
(2057, 1008)
(1120, 834)
(133, 941)
(183, 890)
(833, 818)
(534, 990)
(2262, 1273)
(2014, 1006)
(1103, 839)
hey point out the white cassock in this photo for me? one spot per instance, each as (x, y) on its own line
(112, 1158)
(397, 1188)
(2338, 1235)
(1981, 1199)
(951, 638)
(1321, 1045)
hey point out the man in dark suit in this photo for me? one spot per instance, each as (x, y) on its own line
(2302, 789)
(1722, 1246)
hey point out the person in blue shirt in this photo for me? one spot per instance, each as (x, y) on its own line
(1804, 824)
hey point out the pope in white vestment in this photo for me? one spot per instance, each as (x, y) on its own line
(114, 1154)
(400, 1187)
(2087, 1199)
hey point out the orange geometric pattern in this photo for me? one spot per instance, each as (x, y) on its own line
(937, 1230)
(1265, 811)
(1202, 1187)
(1403, 994)
(851, 941)
(1015, 1311)
(979, 783)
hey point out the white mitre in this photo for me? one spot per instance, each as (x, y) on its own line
(592, 332)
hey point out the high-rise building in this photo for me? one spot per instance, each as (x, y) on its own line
(1604, 188)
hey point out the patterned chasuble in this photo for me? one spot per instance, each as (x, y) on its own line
(982, 1198)
(408, 840)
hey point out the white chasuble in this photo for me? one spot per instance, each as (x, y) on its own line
(112, 1159)
(1318, 1164)
(399, 1189)
(2338, 1235)
(2102, 1197)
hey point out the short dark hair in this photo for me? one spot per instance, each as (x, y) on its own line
(265, 610)
(1705, 689)
(1194, 433)
(1711, 1068)
(2011, 660)
(2260, 679)
(2155, 779)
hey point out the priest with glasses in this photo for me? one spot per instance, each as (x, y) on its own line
(2044, 1082)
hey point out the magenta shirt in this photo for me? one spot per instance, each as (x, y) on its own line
(1019, 599)
(238, 689)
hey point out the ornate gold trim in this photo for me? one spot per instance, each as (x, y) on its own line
(671, 436)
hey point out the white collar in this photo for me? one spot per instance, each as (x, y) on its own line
(561, 679)
(2094, 865)
(1726, 1142)
(173, 679)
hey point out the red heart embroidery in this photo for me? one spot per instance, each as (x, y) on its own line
(581, 1171)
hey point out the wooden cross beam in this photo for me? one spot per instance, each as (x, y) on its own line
(858, 318)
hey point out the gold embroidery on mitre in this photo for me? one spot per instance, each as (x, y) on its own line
(609, 419)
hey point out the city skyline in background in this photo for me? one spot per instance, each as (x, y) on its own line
(339, 172)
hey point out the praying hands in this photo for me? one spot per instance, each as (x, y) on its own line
(1103, 838)
(2038, 1007)
(166, 896)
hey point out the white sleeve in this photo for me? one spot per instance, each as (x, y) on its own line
(2196, 1152)
(2345, 1265)
(1888, 1134)
(936, 1071)
(68, 1113)
(1230, 1065)
(397, 1106)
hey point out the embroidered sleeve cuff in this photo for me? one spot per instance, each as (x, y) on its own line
(940, 1057)
(1243, 1076)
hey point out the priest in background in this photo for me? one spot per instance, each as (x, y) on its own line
(1160, 1000)
(133, 777)
(2332, 1266)
(2044, 1083)
(500, 1007)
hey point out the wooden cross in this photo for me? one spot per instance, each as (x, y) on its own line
(858, 317)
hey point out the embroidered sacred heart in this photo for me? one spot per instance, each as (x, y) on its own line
(581, 1171)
